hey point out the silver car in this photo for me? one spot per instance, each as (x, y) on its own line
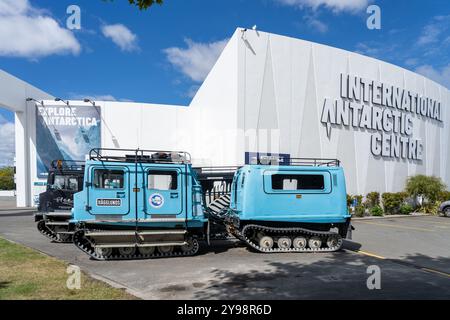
(445, 208)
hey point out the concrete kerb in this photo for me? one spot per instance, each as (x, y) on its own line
(17, 212)
(415, 215)
(114, 284)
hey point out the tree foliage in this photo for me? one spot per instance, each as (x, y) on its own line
(143, 4)
(7, 178)
(429, 188)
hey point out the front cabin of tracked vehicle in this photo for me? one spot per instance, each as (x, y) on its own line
(65, 178)
(140, 204)
(291, 207)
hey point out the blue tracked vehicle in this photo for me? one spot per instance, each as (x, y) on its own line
(146, 204)
(297, 207)
(65, 178)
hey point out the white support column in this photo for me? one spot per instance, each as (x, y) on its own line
(13, 95)
(23, 179)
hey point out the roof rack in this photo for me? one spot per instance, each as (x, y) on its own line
(67, 164)
(309, 162)
(140, 156)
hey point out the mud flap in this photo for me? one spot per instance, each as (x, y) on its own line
(350, 228)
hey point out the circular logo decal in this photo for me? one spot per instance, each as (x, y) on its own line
(156, 200)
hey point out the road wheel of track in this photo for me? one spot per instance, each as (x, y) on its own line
(284, 243)
(147, 251)
(191, 244)
(300, 243)
(332, 241)
(266, 243)
(315, 243)
(103, 252)
(447, 212)
(165, 249)
(127, 251)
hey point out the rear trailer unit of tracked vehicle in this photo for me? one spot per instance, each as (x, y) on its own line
(65, 178)
(300, 206)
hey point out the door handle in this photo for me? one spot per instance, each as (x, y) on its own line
(120, 195)
(174, 195)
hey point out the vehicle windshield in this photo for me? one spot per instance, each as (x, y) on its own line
(65, 182)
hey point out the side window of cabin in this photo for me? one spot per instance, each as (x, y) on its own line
(108, 179)
(162, 180)
(72, 184)
(292, 182)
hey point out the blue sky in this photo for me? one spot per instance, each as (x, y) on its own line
(163, 54)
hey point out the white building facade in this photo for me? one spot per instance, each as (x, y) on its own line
(266, 95)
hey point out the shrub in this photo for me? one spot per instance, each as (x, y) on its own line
(393, 201)
(349, 201)
(372, 199)
(360, 211)
(444, 196)
(359, 200)
(7, 178)
(431, 207)
(376, 211)
(406, 209)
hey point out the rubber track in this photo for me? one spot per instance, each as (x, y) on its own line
(49, 233)
(296, 231)
(83, 244)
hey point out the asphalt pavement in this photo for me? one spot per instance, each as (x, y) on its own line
(412, 255)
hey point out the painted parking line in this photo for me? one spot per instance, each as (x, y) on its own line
(396, 226)
(370, 254)
(424, 269)
(436, 222)
(437, 272)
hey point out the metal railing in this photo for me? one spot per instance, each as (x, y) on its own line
(307, 162)
(67, 164)
(140, 156)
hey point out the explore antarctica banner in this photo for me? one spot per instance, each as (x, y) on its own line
(386, 112)
(67, 133)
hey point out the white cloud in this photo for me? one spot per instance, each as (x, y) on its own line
(28, 32)
(411, 61)
(429, 35)
(121, 36)
(441, 76)
(432, 32)
(336, 6)
(102, 97)
(197, 59)
(97, 97)
(92, 97)
(378, 50)
(192, 91)
(316, 24)
(7, 137)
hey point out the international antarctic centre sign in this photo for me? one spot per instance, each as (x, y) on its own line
(384, 110)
